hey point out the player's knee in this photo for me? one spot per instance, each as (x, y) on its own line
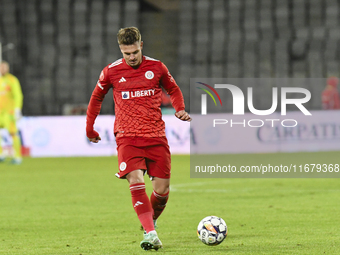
(135, 177)
(162, 189)
(133, 181)
(161, 186)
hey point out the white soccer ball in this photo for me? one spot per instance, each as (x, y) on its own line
(212, 230)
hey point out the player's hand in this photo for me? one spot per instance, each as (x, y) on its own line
(93, 136)
(183, 115)
(95, 140)
(17, 114)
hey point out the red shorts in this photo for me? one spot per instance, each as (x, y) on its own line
(147, 153)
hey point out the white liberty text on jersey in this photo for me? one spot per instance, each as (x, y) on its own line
(138, 93)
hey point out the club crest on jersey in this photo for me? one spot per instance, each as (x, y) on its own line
(149, 75)
(125, 94)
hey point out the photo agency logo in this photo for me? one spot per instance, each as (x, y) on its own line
(238, 108)
(204, 97)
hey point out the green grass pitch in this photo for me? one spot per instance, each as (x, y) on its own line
(77, 206)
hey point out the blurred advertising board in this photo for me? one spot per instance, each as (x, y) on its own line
(64, 136)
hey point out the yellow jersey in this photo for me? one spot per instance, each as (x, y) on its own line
(11, 96)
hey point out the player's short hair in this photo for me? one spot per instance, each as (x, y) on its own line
(128, 36)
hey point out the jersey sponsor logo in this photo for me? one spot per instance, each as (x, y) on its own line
(143, 93)
(138, 203)
(122, 80)
(125, 94)
(149, 75)
(138, 93)
(122, 166)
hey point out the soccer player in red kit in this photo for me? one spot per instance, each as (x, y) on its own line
(142, 147)
(330, 95)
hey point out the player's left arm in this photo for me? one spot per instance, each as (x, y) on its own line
(17, 96)
(176, 96)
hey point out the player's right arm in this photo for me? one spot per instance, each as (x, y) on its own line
(102, 87)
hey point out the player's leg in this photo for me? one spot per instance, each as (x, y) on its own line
(142, 206)
(2, 157)
(2, 124)
(131, 156)
(159, 196)
(131, 160)
(159, 166)
(13, 130)
(140, 199)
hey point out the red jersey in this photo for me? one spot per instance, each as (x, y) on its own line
(137, 94)
(330, 99)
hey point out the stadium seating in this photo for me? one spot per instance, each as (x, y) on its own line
(61, 46)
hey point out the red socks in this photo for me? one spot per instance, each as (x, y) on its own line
(142, 206)
(147, 210)
(158, 202)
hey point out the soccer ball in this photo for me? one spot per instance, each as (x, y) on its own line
(212, 230)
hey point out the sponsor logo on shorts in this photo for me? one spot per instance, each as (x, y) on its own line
(122, 166)
(149, 75)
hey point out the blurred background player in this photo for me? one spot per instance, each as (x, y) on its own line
(330, 95)
(142, 146)
(11, 101)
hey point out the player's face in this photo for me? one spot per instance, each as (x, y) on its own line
(4, 68)
(132, 53)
